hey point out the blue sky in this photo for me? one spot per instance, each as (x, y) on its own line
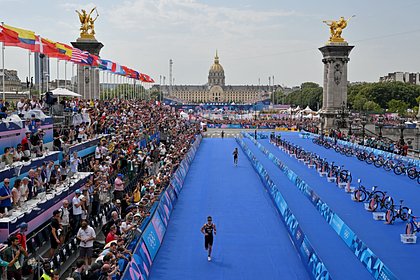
(255, 39)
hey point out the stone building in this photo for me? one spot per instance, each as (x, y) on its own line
(405, 77)
(11, 81)
(216, 90)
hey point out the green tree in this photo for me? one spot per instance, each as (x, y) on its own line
(397, 106)
(310, 94)
(371, 106)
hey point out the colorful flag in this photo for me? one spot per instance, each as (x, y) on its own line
(26, 38)
(116, 68)
(65, 51)
(8, 36)
(79, 56)
(105, 64)
(49, 48)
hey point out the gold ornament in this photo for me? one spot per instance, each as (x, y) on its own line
(336, 28)
(87, 28)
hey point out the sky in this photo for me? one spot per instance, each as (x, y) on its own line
(255, 39)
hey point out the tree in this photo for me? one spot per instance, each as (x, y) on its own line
(397, 106)
(371, 106)
(310, 94)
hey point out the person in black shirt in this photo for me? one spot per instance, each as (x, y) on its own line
(235, 156)
(54, 236)
(208, 230)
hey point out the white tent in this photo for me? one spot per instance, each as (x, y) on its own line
(307, 110)
(64, 92)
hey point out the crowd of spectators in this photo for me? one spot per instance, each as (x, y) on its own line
(144, 144)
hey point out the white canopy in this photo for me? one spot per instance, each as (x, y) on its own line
(307, 110)
(64, 92)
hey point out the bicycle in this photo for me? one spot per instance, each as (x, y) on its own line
(362, 194)
(394, 213)
(383, 202)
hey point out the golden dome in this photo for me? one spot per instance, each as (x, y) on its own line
(216, 67)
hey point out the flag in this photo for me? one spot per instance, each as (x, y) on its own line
(26, 38)
(146, 78)
(79, 56)
(116, 68)
(65, 51)
(49, 48)
(8, 36)
(95, 60)
(105, 64)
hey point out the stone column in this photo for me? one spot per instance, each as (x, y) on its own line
(336, 57)
(87, 78)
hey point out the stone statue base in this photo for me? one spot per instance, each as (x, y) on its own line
(334, 97)
(88, 77)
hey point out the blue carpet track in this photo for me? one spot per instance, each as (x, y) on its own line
(251, 242)
(382, 239)
(337, 257)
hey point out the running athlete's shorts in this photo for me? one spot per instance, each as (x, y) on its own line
(208, 240)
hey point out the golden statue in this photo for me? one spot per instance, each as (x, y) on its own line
(87, 28)
(336, 28)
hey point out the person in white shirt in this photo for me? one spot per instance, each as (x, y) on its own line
(65, 220)
(86, 236)
(77, 210)
(74, 163)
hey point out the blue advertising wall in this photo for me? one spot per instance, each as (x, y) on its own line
(363, 253)
(146, 246)
(310, 258)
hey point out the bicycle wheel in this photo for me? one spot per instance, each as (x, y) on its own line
(378, 163)
(388, 166)
(398, 170)
(360, 195)
(404, 214)
(418, 179)
(412, 173)
(388, 202)
(409, 229)
(389, 216)
(369, 160)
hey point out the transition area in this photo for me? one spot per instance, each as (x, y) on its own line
(251, 242)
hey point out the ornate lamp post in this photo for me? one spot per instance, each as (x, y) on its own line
(350, 123)
(363, 122)
(380, 125)
(401, 126)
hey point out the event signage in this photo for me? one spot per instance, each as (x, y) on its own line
(311, 260)
(365, 255)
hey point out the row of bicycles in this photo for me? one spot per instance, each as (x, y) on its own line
(388, 163)
(374, 198)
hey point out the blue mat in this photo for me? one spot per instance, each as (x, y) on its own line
(251, 242)
(339, 260)
(383, 239)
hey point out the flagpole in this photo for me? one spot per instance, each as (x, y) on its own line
(58, 73)
(65, 74)
(29, 78)
(2, 62)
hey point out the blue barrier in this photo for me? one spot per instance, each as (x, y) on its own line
(365, 255)
(310, 259)
(147, 245)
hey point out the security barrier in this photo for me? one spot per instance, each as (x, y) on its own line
(146, 246)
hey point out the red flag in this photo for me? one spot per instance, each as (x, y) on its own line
(8, 36)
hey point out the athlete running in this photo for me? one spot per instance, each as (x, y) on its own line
(208, 230)
(235, 156)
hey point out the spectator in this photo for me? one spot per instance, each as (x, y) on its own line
(119, 187)
(112, 234)
(77, 211)
(74, 163)
(5, 196)
(16, 193)
(55, 232)
(21, 235)
(12, 255)
(64, 221)
(77, 273)
(7, 157)
(86, 235)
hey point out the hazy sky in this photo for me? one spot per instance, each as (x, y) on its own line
(255, 39)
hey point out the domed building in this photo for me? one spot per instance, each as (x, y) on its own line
(216, 90)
